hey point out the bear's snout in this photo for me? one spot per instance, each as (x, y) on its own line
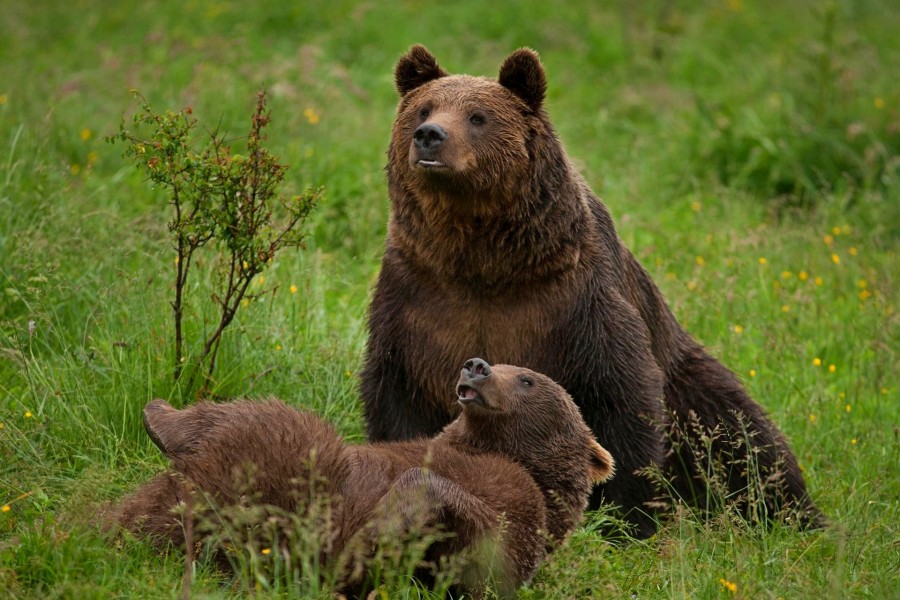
(476, 368)
(428, 136)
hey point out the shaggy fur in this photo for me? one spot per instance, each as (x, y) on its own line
(492, 227)
(515, 469)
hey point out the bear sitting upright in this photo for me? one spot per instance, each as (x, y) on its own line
(514, 469)
(492, 227)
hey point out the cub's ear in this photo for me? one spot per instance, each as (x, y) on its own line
(178, 432)
(602, 465)
(160, 422)
(523, 75)
(416, 68)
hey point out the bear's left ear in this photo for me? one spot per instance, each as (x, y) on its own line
(602, 465)
(415, 68)
(523, 75)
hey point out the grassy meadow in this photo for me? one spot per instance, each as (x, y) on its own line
(749, 152)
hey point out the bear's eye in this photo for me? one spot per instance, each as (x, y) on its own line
(477, 119)
(423, 114)
(527, 381)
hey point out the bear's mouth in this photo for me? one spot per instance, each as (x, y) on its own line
(430, 164)
(469, 395)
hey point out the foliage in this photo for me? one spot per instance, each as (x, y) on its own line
(218, 197)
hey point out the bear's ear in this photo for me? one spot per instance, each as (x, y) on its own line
(523, 75)
(602, 465)
(416, 68)
(173, 431)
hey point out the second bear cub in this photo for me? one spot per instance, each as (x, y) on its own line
(514, 470)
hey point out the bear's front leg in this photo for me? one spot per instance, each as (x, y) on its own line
(618, 385)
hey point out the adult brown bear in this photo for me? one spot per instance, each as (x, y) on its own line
(497, 247)
(512, 472)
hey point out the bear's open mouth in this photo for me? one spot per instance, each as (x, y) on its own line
(430, 164)
(468, 395)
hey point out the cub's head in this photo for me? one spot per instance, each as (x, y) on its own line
(529, 417)
(466, 136)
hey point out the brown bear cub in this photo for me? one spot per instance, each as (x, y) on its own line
(492, 226)
(514, 469)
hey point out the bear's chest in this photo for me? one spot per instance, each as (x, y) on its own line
(446, 329)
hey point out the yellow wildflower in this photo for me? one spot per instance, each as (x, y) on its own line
(813, 418)
(884, 391)
(670, 276)
(832, 368)
(28, 414)
(752, 372)
(74, 169)
(728, 585)
(695, 206)
(700, 261)
(848, 408)
(762, 260)
(86, 134)
(260, 280)
(786, 274)
(5, 508)
(827, 239)
(293, 289)
(278, 347)
(819, 281)
(836, 230)
(862, 284)
(348, 374)
(817, 362)
(865, 295)
(802, 275)
(311, 115)
(879, 103)
(836, 259)
(246, 265)
(245, 302)
(266, 551)
(738, 329)
(853, 441)
(692, 285)
(853, 251)
(92, 157)
(785, 308)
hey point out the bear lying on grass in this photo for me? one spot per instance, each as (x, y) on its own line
(492, 227)
(514, 469)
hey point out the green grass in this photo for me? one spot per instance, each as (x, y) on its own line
(719, 133)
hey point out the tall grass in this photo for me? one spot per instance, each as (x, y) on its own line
(748, 151)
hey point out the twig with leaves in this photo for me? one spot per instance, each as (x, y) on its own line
(228, 199)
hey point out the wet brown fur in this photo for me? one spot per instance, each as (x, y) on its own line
(506, 253)
(529, 463)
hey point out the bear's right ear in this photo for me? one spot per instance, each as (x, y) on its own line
(523, 75)
(415, 68)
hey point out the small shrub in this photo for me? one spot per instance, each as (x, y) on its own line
(220, 200)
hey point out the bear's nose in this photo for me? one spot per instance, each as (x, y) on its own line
(476, 368)
(428, 136)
